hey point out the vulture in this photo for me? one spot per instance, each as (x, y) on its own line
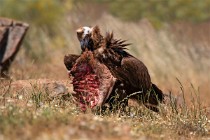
(104, 70)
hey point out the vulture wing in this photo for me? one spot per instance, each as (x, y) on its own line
(136, 73)
(70, 60)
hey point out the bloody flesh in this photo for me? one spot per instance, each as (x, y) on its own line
(86, 85)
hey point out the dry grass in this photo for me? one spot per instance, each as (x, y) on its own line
(174, 52)
(31, 112)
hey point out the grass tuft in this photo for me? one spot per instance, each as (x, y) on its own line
(35, 114)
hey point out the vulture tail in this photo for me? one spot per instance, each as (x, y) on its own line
(153, 98)
(158, 92)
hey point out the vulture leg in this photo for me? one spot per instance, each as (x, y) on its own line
(155, 97)
(118, 97)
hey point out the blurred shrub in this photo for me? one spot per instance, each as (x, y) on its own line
(44, 16)
(159, 11)
(41, 13)
(49, 25)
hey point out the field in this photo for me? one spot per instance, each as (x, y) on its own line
(36, 103)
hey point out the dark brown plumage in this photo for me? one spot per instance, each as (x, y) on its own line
(126, 68)
(69, 60)
(112, 64)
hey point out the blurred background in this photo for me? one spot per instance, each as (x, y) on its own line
(171, 37)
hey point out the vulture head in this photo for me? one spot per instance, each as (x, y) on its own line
(89, 37)
(83, 35)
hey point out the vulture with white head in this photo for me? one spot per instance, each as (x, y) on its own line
(112, 70)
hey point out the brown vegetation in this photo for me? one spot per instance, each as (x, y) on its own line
(177, 57)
